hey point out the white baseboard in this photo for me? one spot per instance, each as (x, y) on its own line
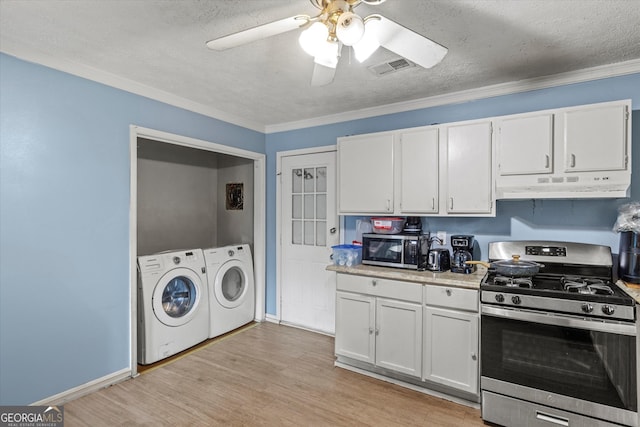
(84, 389)
(271, 318)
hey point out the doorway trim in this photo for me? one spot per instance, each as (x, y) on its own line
(259, 217)
(280, 154)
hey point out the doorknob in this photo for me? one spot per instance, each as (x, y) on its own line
(332, 230)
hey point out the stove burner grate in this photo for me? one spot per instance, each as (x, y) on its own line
(587, 286)
(513, 282)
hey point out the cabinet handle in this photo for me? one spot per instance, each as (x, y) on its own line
(370, 331)
(451, 203)
(377, 331)
(388, 205)
(433, 203)
(448, 292)
(573, 160)
(474, 356)
(374, 282)
(546, 161)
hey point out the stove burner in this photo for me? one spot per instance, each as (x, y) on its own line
(514, 282)
(587, 286)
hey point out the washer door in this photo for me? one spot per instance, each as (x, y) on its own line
(176, 297)
(231, 284)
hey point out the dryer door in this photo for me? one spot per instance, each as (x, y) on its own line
(177, 296)
(231, 284)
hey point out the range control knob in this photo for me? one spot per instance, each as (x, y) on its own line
(608, 309)
(516, 300)
(587, 308)
(499, 298)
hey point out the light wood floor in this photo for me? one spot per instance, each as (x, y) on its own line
(264, 375)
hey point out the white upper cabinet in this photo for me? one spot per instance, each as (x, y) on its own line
(525, 144)
(418, 186)
(454, 170)
(469, 172)
(575, 152)
(595, 138)
(366, 174)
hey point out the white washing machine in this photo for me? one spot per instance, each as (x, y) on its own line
(173, 311)
(232, 294)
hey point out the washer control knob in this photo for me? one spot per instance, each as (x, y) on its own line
(516, 300)
(231, 252)
(587, 308)
(608, 309)
(176, 260)
(499, 297)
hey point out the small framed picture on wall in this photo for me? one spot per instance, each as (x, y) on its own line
(235, 196)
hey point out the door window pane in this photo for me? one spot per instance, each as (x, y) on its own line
(309, 180)
(321, 180)
(309, 203)
(296, 232)
(296, 207)
(296, 180)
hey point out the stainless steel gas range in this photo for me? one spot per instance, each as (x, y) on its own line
(559, 347)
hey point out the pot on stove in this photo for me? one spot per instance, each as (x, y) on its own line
(512, 267)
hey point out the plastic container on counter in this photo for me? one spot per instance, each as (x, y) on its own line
(347, 255)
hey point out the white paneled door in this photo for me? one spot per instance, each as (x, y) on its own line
(309, 227)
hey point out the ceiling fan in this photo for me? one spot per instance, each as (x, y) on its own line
(337, 25)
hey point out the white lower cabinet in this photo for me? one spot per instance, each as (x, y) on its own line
(450, 346)
(382, 331)
(426, 332)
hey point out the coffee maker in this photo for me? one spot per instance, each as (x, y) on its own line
(462, 246)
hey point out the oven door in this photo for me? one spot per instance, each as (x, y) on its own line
(572, 363)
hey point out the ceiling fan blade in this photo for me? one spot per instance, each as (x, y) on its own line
(259, 32)
(409, 44)
(322, 75)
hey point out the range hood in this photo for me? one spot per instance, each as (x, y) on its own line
(610, 184)
(569, 153)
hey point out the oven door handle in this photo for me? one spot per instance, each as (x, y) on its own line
(555, 319)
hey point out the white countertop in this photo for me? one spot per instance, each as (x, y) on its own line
(631, 289)
(445, 278)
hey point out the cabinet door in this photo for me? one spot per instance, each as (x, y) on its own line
(365, 174)
(451, 348)
(419, 171)
(595, 138)
(399, 336)
(469, 169)
(355, 322)
(525, 145)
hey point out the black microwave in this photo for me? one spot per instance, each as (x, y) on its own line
(405, 250)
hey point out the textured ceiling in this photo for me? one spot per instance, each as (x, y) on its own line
(160, 44)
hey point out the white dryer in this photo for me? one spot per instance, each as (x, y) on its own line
(232, 295)
(173, 312)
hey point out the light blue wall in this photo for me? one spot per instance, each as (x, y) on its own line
(64, 223)
(588, 221)
(64, 210)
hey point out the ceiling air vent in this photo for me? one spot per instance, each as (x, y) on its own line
(391, 66)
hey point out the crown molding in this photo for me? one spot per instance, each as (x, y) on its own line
(18, 50)
(584, 75)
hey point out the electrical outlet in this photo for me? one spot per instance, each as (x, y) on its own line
(442, 235)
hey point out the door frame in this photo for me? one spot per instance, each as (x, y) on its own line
(280, 154)
(259, 217)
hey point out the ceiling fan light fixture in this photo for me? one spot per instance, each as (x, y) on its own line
(328, 53)
(369, 42)
(312, 39)
(349, 28)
